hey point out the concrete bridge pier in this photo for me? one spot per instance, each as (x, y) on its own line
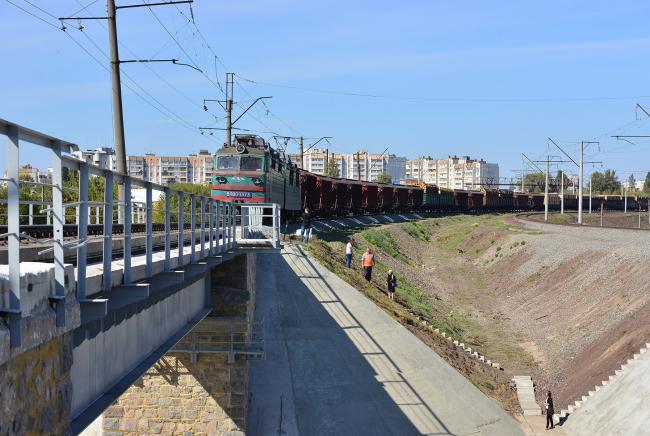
(201, 384)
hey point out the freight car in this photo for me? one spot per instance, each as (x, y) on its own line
(252, 171)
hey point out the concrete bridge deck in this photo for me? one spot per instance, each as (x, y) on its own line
(337, 364)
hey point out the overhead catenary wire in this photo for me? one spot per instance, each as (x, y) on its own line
(447, 99)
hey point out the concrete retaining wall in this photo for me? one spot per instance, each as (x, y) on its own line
(107, 349)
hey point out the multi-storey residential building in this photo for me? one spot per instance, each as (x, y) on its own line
(103, 157)
(453, 172)
(28, 172)
(194, 168)
(370, 165)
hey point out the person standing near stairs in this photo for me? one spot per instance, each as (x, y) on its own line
(549, 411)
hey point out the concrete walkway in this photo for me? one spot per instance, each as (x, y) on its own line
(336, 364)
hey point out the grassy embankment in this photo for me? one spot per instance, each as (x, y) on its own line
(448, 250)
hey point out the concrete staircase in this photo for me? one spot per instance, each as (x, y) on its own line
(617, 403)
(526, 395)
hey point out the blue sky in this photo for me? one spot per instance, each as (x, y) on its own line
(487, 79)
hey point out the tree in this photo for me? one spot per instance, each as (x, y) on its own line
(646, 184)
(558, 181)
(631, 183)
(159, 206)
(384, 178)
(331, 169)
(534, 182)
(605, 183)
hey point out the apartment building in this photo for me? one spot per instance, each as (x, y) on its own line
(193, 168)
(454, 172)
(103, 157)
(370, 165)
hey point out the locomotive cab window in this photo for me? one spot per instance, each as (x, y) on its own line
(250, 163)
(228, 163)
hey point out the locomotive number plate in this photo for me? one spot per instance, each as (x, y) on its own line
(239, 194)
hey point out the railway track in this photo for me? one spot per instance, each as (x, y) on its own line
(42, 231)
(528, 216)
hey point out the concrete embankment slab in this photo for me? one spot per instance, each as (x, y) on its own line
(337, 364)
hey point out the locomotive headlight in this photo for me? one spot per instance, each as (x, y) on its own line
(222, 180)
(257, 181)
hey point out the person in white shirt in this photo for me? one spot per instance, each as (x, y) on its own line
(348, 253)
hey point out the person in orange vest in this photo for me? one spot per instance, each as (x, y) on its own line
(368, 261)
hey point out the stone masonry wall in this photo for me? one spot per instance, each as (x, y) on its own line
(208, 396)
(179, 397)
(36, 390)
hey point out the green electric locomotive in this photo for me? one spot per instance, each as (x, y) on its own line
(250, 171)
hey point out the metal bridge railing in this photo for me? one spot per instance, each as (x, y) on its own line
(260, 223)
(215, 220)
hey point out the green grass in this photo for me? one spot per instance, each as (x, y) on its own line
(417, 230)
(383, 240)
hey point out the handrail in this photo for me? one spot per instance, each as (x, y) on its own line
(216, 222)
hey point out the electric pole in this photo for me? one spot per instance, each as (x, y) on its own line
(580, 181)
(229, 94)
(302, 152)
(327, 155)
(562, 194)
(546, 173)
(548, 162)
(118, 114)
(580, 177)
(358, 166)
(590, 179)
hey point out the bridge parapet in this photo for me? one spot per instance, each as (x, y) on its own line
(213, 223)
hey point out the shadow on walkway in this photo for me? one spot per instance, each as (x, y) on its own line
(324, 372)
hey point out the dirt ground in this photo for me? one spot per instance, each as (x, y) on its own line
(630, 220)
(566, 305)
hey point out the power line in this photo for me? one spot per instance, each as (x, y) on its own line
(447, 99)
(33, 15)
(218, 86)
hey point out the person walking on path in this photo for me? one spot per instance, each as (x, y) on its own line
(391, 284)
(348, 253)
(368, 261)
(305, 230)
(549, 411)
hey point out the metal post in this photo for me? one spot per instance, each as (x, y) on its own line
(276, 236)
(30, 218)
(590, 179)
(168, 229)
(149, 268)
(181, 225)
(118, 116)
(193, 230)
(548, 159)
(108, 230)
(582, 146)
(219, 228)
(128, 209)
(229, 91)
(562, 195)
(13, 227)
(211, 227)
(229, 224)
(82, 231)
(202, 232)
(59, 221)
(602, 205)
(625, 198)
(233, 240)
(302, 152)
(245, 221)
(96, 215)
